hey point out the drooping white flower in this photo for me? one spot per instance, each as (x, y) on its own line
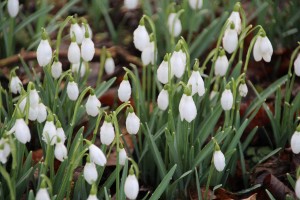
(107, 133)
(109, 65)
(33, 113)
(96, 155)
(49, 131)
(162, 72)
(297, 65)
(178, 63)
(75, 29)
(42, 194)
(243, 89)
(21, 131)
(131, 4)
(163, 99)
(60, 151)
(76, 67)
(124, 91)
(42, 113)
(74, 53)
(4, 150)
(197, 83)
(56, 69)
(221, 65)
(90, 173)
(60, 133)
(227, 99)
(297, 187)
(230, 39)
(196, 4)
(13, 8)
(236, 20)
(174, 24)
(148, 54)
(34, 98)
(219, 160)
(89, 29)
(132, 123)
(187, 108)
(262, 48)
(141, 38)
(23, 104)
(87, 49)
(15, 85)
(295, 142)
(92, 105)
(44, 52)
(72, 91)
(122, 156)
(131, 187)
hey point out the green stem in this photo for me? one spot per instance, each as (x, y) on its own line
(249, 53)
(102, 63)
(6, 176)
(116, 125)
(59, 35)
(66, 73)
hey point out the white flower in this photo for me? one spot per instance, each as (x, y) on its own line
(297, 188)
(236, 20)
(75, 68)
(132, 123)
(42, 113)
(90, 172)
(107, 133)
(162, 72)
(187, 108)
(15, 85)
(243, 89)
(124, 91)
(131, 4)
(163, 99)
(87, 49)
(197, 83)
(297, 65)
(96, 155)
(60, 151)
(21, 131)
(13, 8)
(219, 160)
(33, 113)
(141, 38)
(89, 29)
(23, 104)
(56, 69)
(75, 28)
(230, 40)
(92, 106)
(109, 65)
(122, 156)
(72, 91)
(262, 49)
(60, 133)
(44, 53)
(74, 53)
(227, 99)
(4, 150)
(34, 98)
(49, 133)
(42, 194)
(148, 54)
(178, 62)
(131, 187)
(221, 65)
(92, 197)
(196, 4)
(174, 25)
(295, 142)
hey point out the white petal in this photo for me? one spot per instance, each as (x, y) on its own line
(13, 7)
(174, 25)
(122, 156)
(22, 132)
(227, 100)
(96, 155)
(75, 28)
(230, 40)
(74, 53)
(109, 65)
(87, 49)
(162, 72)
(256, 50)
(141, 38)
(75, 68)
(60, 152)
(295, 142)
(219, 160)
(49, 133)
(132, 123)
(178, 62)
(221, 65)
(92, 106)
(163, 99)
(15, 85)
(56, 69)
(131, 4)
(196, 4)
(124, 91)
(297, 188)
(297, 65)
(72, 91)
(44, 53)
(33, 113)
(131, 187)
(90, 173)
(107, 133)
(243, 90)
(236, 19)
(148, 54)
(42, 194)
(60, 133)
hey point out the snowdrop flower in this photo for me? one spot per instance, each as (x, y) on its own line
(34, 97)
(141, 38)
(295, 141)
(96, 155)
(20, 129)
(13, 8)
(230, 39)
(132, 123)
(297, 65)
(60, 133)
(87, 47)
(297, 188)
(122, 156)
(74, 51)
(163, 99)
(92, 105)
(44, 51)
(75, 68)
(236, 19)
(109, 65)
(148, 54)
(72, 90)
(90, 173)
(23, 104)
(107, 132)
(56, 69)
(227, 99)
(124, 91)
(178, 61)
(49, 131)
(187, 107)
(196, 4)
(89, 29)
(162, 71)
(60, 151)
(221, 65)
(131, 4)
(75, 29)
(262, 48)
(33, 113)
(196, 81)
(15, 84)
(219, 160)
(42, 194)
(174, 24)
(131, 186)
(243, 89)
(4, 150)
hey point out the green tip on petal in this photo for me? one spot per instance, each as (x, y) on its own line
(243, 81)
(88, 159)
(142, 22)
(196, 65)
(58, 139)
(125, 78)
(93, 190)
(237, 7)
(187, 90)
(262, 32)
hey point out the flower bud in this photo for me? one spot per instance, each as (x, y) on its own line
(141, 38)
(236, 20)
(42, 113)
(174, 25)
(197, 83)
(196, 4)
(131, 187)
(21, 131)
(162, 72)
(60, 151)
(230, 40)
(132, 123)
(92, 106)
(107, 133)
(124, 91)
(75, 29)
(297, 65)
(262, 49)
(13, 8)
(96, 155)
(178, 63)
(44, 53)
(89, 29)
(42, 194)
(227, 99)
(15, 85)
(56, 69)
(163, 99)
(122, 156)
(72, 91)
(87, 49)
(90, 173)
(131, 4)
(49, 131)
(34, 98)
(148, 54)
(221, 65)
(219, 160)
(74, 53)
(33, 113)
(4, 150)
(109, 65)
(187, 108)
(295, 142)
(75, 68)
(243, 89)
